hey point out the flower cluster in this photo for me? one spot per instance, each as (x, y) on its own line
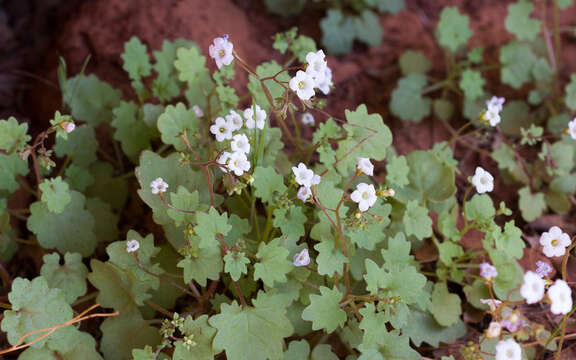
(306, 178)
(365, 194)
(493, 108)
(317, 76)
(221, 51)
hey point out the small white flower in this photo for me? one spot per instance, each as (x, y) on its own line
(572, 128)
(223, 160)
(238, 163)
(222, 129)
(221, 51)
(560, 295)
(235, 120)
(492, 303)
(365, 166)
(316, 179)
(508, 350)
(302, 258)
(483, 180)
(326, 82)
(198, 111)
(132, 245)
(304, 193)
(255, 116)
(532, 288)
(493, 117)
(303, 84)
(303, 175)
(307, 119)
(364, 195)
(158, 186)
(543, 268)
(68, 126)
(495, 103)
(240, 143)
(494, 329)
(317, 65)
(554, 242)
(488, 271)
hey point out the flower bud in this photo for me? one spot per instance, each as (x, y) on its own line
(68, 126)
(494, 329)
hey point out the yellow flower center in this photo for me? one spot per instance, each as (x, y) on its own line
(364, 196)
(222, 53)
(554, 242)
(301, 85)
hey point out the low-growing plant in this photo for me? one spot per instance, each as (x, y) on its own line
(266, 243)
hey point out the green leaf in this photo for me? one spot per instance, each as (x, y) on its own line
(272, 265)
(323, 352)
(571, 93)
(515, 116)
(34, 306)
(251, 333)
(123, 333)
(505, 157)
(397, 254)
(267, 182)
(425, 329)
(448, 251)
(210, 225)
(407, 102)
(517, 61)
(563, 4)
(90, 99)
(81, 146)
(190, 64)
(453, 30)
(297, 350)
(373, 325)
(392, 346)
(391, 6)
(70, 277)
(13, 136)
(184, 200)
(509, 241)
(531, 205)
(132, 132)
(338, 32)
(509, 275)
(416, 221)
(290, 221)
(235, 264)
(368, 236)
(324, 310)
(55, 194)
(69, 231)
(367, 28)
(414, 62)
(443, 109)
(480, 208)
(202, 335)
(329, 260)
(204, 264)
(276, 90)
(136, 59)
(176, 121)
(70, 344)
(79, 178)
(472, 83)
(10, 167)
(301, 46)
(397, 171)
(519, 23)
(445, 306)
(430, 177)
(166, 85)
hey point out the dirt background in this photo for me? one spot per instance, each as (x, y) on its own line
(34, 33)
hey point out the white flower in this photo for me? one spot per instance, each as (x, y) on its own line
(223, 160)
(302, 258)
(132, 245)
(235, 120)
(488, 271)
(304, 193)
(158, 186)
(238, 163)
(222, 129)
(561, 297)
(198, 111)
(303, 84)
(493, 117)
(554, 242)
(221, 51)
(316, 179)
(494, 329)
(572, 128)
(365, 166)
(543, 268)
(495, 103)
(492, 304)
(508, 350)
(255, 116)
(532, 288)
(364, 195)
(483, 180)
(317, 65)
(303, 175)
(240, 143)
(307, 119)
(68, 126)
(326, 82)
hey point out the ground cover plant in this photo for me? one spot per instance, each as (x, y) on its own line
(286, 232)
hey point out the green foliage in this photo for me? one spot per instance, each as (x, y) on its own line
(472, 83)
(407, 102)
(272, 264)
(416, 221)
(80, 147)
(453, 30)
(339, 30)
(176, 121)
(517, 61)
(571, 93)
(414, 62)
(90, 99)
(531, 205)
(267, 182)
(235, 264)
(131, 131)
(55, 194)
(519, 23)
(11, 166)
(69, 277)
(445, 306)
(13, 136)
(324, 311)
